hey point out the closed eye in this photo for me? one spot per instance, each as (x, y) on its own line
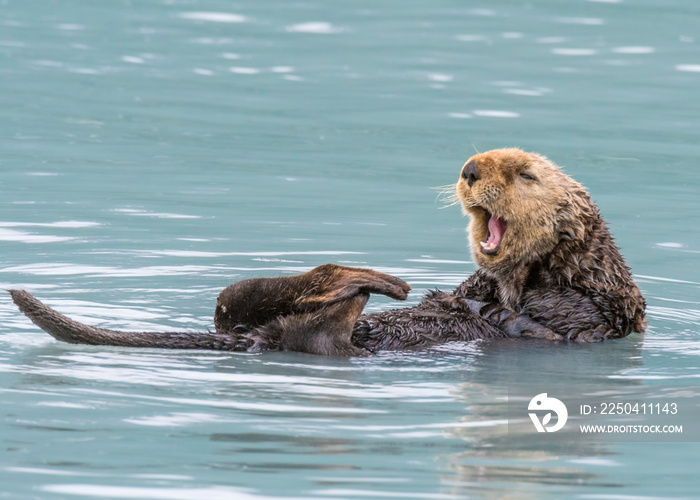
(527, 177)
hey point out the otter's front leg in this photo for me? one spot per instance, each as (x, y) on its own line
(510, 322)
(572, 314)
(438, 319)
(479, 294)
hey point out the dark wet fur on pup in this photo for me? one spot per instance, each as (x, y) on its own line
(548, 268)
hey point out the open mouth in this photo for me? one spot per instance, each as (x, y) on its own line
(497, 226)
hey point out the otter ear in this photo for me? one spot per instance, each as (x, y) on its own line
(574, 215)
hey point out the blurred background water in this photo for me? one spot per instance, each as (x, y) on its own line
(153, 152)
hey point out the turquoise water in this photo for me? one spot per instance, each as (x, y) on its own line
(154, 152)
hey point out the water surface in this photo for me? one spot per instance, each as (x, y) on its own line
(154, 152)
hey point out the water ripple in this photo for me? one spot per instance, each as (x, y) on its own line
(25, 237)
(690, 68)
(159, 493)
(319, 28)
(214, 17)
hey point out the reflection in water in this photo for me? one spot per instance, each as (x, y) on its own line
(290, 406)
(494, 453)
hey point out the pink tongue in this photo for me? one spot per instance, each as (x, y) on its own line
(495, 230)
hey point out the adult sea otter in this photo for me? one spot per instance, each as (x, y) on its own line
(548, 268)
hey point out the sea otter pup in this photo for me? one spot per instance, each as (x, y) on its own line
(548, 268)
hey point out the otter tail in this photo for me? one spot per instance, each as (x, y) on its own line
(62, 328)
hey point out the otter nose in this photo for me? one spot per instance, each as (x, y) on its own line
(470, 173)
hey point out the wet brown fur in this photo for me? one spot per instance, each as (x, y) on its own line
(557, 275)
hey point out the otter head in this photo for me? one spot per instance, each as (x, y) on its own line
(521, 206)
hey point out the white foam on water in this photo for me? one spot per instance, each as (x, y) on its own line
(241, 70)
(319, 28)
(85, 71)
(67, 223)
(440, 77)
(586, 21)
(200, 254)
(65, 269)
(158, 215)
(133, 59)
(210, 493)
(494, 113)
(634, 50)
(206, 40)
(691, 68)
(526, 92)
(174, 419)
(214, 17)
(471, 38)
(24, 237)
(574, 52)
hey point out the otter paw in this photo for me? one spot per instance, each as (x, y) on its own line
(542, 333)
(375, 282)
(600, 334)
(332, 284)
(521, 325)
(256, 340)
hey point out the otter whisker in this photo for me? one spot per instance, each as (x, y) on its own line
(447, 195)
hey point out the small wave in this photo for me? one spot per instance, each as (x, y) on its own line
(214, 17)
(159, 215)
(64, 269)
(574, 52)
(634, 50)
(472, 38)
(210, 493)
(133, 59)
(207, 40)
(493, 113)
(691, 68)
(242, 70)
(319, 28)
(175, 419)
(676, 315)
(202, 254)
(440, 77)
(536, 92)
(587, 21)
(24, 237)
(62, 224)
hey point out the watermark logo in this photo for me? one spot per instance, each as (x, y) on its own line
(543, 403)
